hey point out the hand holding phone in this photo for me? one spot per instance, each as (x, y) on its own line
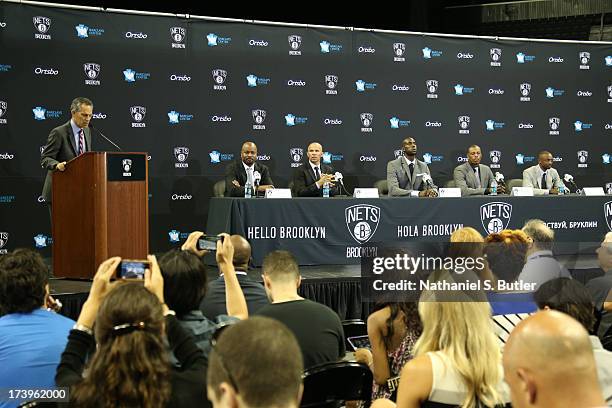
(132, 269)
(208, 243)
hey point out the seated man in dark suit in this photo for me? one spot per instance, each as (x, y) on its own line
(213, 303)
(308, 179)
(474, 178)
(406, 174)
(238, 173)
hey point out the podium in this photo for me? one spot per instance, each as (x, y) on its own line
(100, 209)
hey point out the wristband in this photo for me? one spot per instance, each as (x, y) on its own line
(83, 328)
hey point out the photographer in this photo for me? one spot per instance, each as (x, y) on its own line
(129, 366)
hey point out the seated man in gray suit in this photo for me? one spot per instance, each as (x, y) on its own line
(405, 174)
(474, 178)
(542, 177)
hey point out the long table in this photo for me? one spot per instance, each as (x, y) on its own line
(337, 231)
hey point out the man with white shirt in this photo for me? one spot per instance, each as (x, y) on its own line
(247, 169)
(309, 178)
(540, 264)
(405, 174)
(66, 142)
(542, 177)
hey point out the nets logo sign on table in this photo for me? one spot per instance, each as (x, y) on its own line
(362, 221)
(495, 216)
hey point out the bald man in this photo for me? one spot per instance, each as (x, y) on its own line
(213, 303)
(601, 287)
(246, 169)
(548, 362)
(308, 179)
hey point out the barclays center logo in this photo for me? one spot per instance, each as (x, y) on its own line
(495, 216)
(579, 126)
(5, 67)
(42, 241)
(491, 125)
(41, 113)
(295, 43)
(177, 36)
(218, 157)
(92, 73)
(215, 40)
(254, 81)
(522, 58)
(175, 117)
(363, 86)
(329, 157)
(606, 158)
(522, 159)
(429, 158)
(553, 93)
(42, 25)
(328, 48)
(462, 90)
(176, 236)
(429, 53)
(84, 31)
(608, 61)
(131, 76)
(397, 123)
(362, 221)
(293, 120)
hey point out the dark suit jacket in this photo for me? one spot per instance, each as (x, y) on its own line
(236, 171)
(304, 181)
(465, 179)
(213, 303)
(60, 147)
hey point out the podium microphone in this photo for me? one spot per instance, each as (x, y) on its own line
(105, 138)
(568, 178)
(339, 177)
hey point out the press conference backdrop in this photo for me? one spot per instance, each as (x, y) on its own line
(189, 91)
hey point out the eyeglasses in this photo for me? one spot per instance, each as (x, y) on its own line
(213, 343)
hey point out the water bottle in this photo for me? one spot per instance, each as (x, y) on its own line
(248, 190)
(561, 189)
(326, 189)
(493, 188)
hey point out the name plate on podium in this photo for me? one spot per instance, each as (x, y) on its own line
(593, 191)
(522, 191)
(365, 193)
(278, 193)
(449, 192)
(126, 167)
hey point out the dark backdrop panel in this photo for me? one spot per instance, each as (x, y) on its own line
(187, 92)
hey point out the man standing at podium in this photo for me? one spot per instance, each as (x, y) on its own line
(66, 142)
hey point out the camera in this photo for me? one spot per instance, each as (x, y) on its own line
(132, 269)
(208, 243)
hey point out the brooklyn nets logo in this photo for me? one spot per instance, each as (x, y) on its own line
(362, 221)
(608, 214)
(495, 216)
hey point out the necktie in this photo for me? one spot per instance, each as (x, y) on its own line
(411, 168)
(544, 185)
(250, 176)
(81, 142)
(317, 173)
(477, 175)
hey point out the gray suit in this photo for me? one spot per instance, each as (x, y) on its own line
(398, 179)
(465, 179)
(60, 147)
(532, 178)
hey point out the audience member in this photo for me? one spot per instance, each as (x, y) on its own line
(466, 242)
(213, 303)
(393, 330)
(255, 363)
(540, 264)
(129, 366)
(457, 358)
(601, 287)
(32, 337)
(570, 297)
(317, 328)
(548, 362)
(185, 287)
(505, 253)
